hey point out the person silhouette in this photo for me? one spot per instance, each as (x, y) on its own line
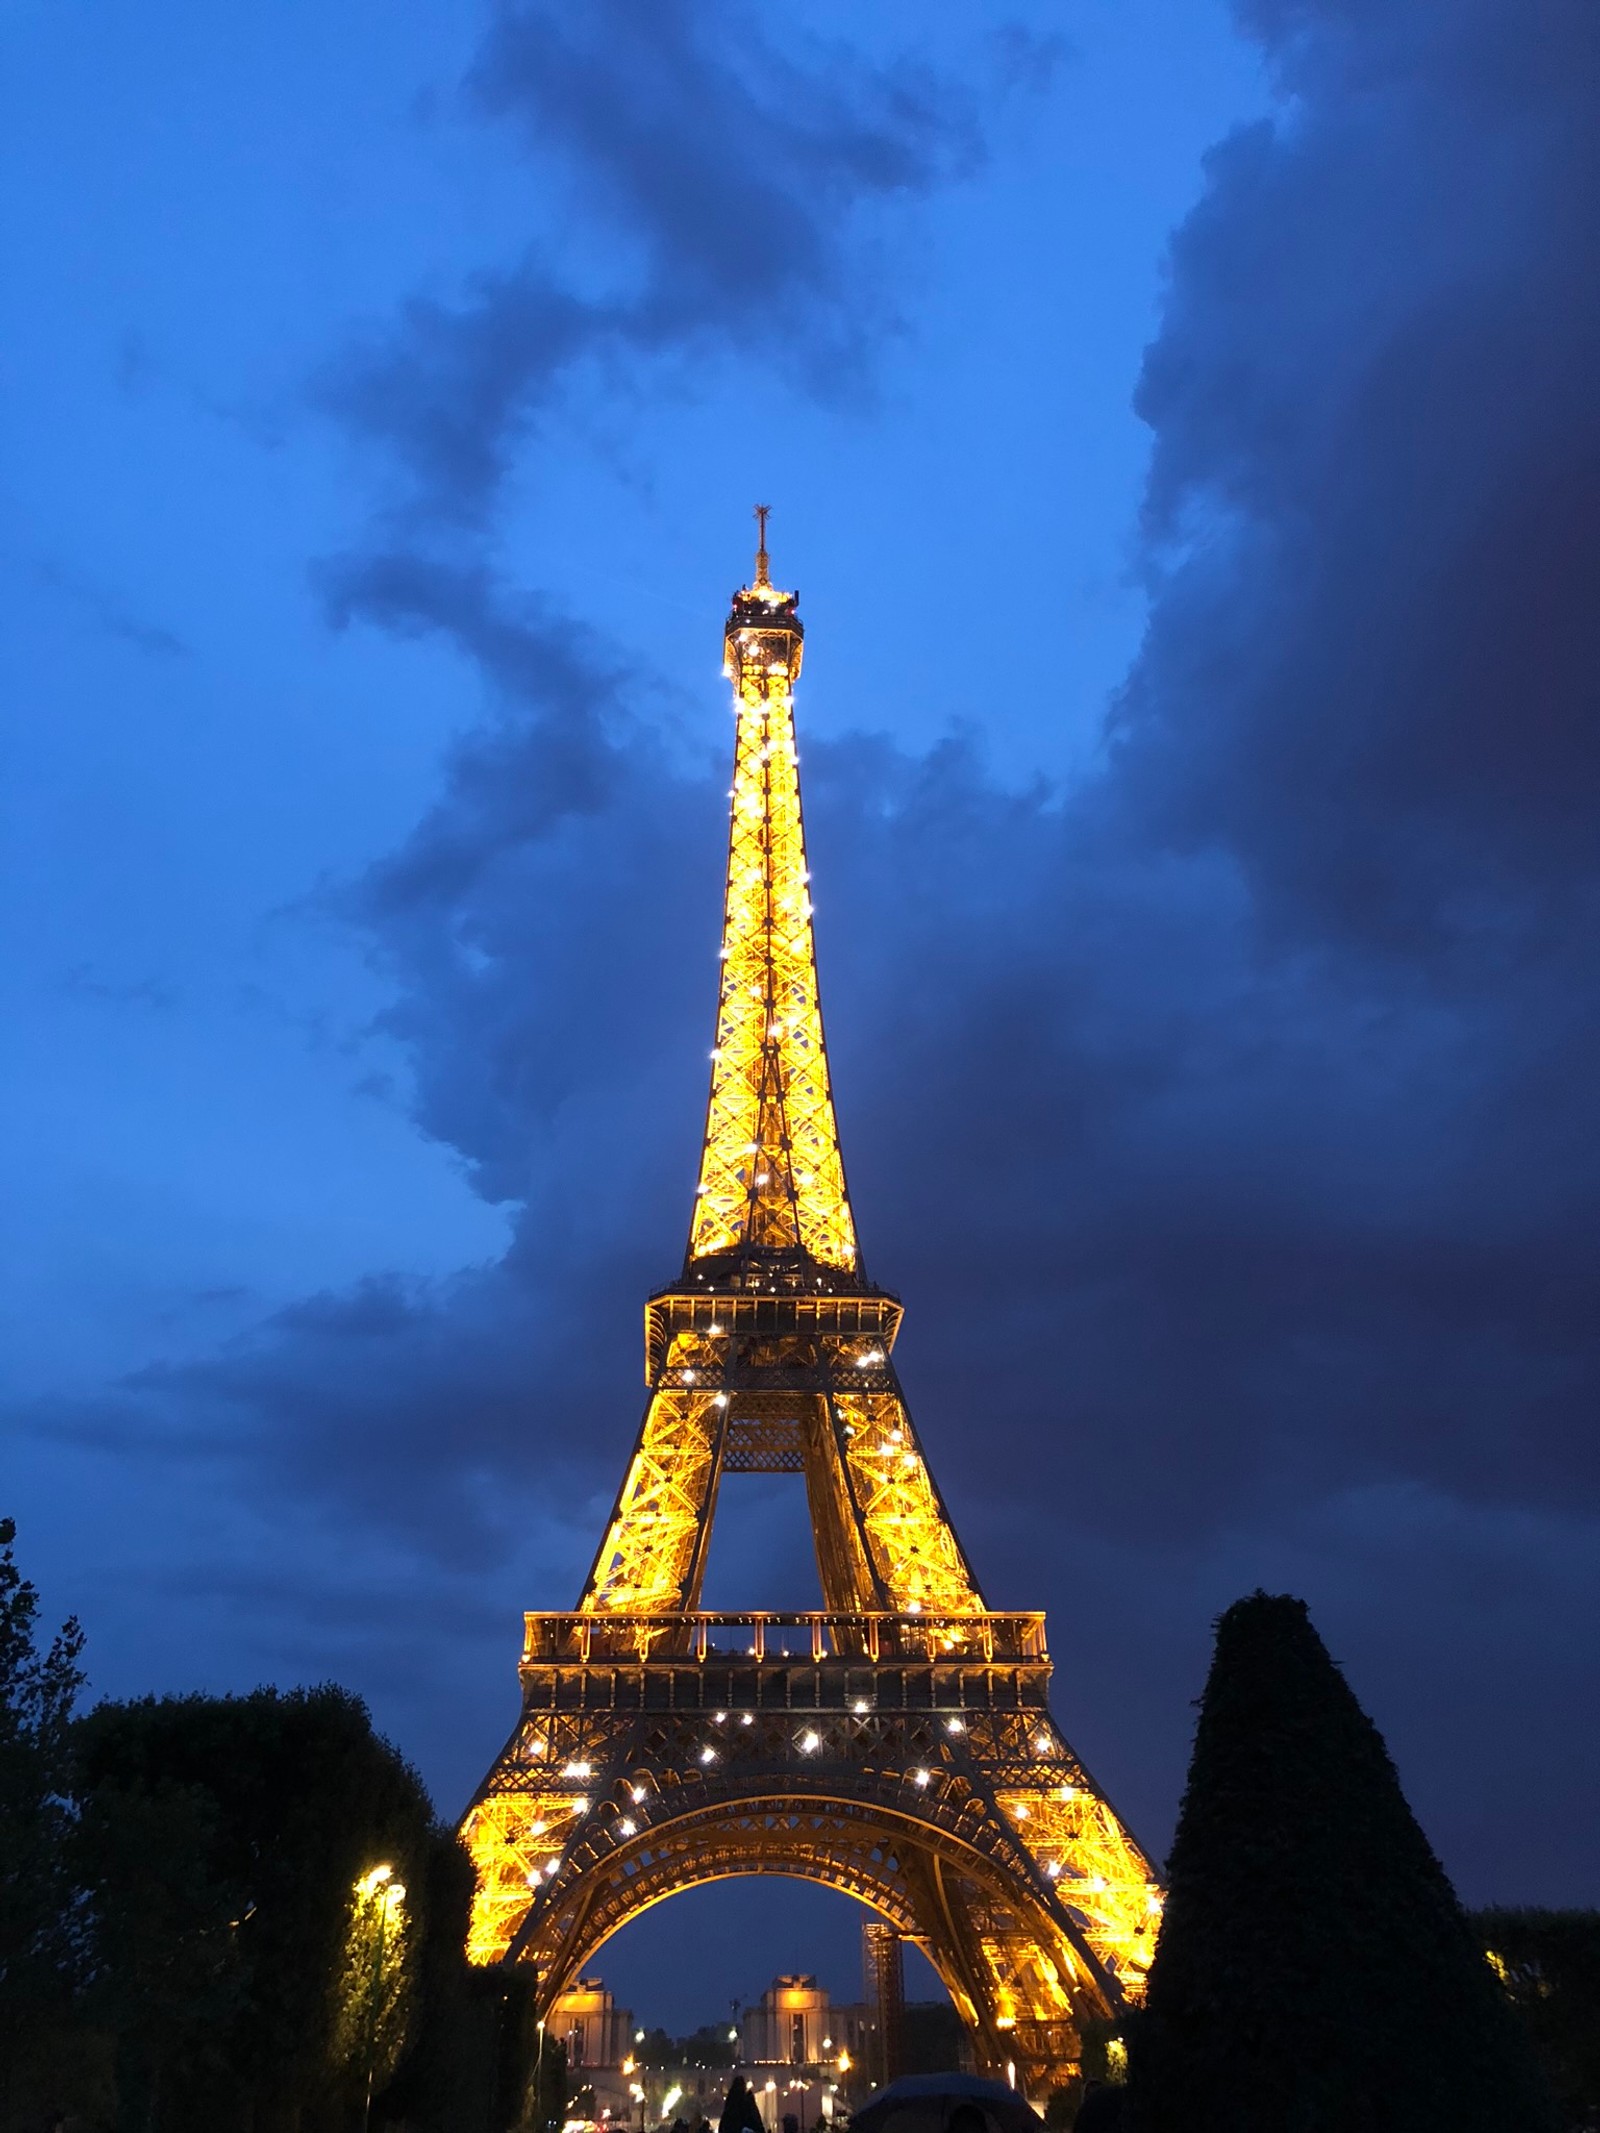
(740, 2113)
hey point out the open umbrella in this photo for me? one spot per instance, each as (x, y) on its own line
(926, 2103)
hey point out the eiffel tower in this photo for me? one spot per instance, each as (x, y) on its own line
(897, 1744)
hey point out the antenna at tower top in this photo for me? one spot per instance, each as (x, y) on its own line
(761, 546)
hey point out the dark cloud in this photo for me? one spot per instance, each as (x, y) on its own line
(405, 1405)
(557, 751)
(730, 159)
(1377, 460)
(1229, 1122)
(728, 167)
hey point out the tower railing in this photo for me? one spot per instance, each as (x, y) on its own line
(582, 1638)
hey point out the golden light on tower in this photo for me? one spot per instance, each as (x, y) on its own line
(897, 1744)
(770, 1171)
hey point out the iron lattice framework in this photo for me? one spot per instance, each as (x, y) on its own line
(897, 1745)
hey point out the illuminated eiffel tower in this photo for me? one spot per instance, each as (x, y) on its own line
(897, 1745)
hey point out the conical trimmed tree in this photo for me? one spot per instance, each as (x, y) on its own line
(1315, 1973)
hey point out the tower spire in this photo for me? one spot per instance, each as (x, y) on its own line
(771, 1192)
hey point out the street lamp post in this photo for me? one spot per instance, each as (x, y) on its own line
(389, 1893)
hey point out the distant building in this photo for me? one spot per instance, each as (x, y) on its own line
(854, 2026)
(593, 2029)
(803, 2055)
(788, 2026)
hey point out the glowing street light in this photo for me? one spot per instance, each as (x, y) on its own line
(379, 1889)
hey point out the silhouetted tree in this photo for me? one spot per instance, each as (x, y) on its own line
(165, 1979)
(1549, 1964)
(220, 1847)
(710, 2045)
(40, 1943)
(1315, 1973)
(440, 2080)
(547, 2097)
(474, 2064)
(192, 1933)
